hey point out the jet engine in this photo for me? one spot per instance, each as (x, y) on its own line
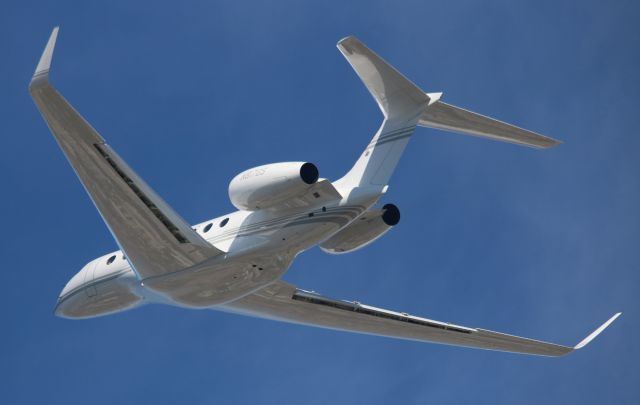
(363, 231)
(269, 185)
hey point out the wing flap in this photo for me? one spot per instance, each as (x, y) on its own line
(284, 302)
(155, 239)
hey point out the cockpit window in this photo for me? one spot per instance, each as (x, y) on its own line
(224, 222)
(111, 259)
(206, 228)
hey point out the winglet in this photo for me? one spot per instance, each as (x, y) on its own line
(596, 332)
(41, 75)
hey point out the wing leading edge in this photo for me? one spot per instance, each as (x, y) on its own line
(284, 302)
(154, 237)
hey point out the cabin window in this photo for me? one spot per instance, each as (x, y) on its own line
(224, 222)
(111, 259)
(206, 228)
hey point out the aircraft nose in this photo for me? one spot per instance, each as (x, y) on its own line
(59, 309)
(71, 295)
(99, 290)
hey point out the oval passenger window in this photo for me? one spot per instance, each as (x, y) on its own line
(206, 228)
(224, 222)
(111, 259)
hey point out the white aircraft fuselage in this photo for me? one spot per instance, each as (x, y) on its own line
(260, 246)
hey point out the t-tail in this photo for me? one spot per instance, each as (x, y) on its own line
(406, 106)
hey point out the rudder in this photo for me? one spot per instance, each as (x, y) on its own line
(402, 104)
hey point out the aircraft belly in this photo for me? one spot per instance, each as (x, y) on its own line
(232, 278)
(252, 262)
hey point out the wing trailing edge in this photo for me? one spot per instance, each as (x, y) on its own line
(284, 302)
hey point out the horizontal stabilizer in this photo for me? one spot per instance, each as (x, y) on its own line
(448, 117)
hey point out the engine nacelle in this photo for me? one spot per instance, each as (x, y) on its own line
(363, 231)
(269, 185)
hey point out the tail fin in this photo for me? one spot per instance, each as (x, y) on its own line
(397, 97)
(402, 104)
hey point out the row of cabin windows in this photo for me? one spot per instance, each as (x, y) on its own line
(205, 230)
(209, 225)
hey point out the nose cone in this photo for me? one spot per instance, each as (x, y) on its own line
(74, 284)
(74, 295)
(102, 287)
(59, 310)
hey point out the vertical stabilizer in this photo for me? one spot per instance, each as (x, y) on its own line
(401, 102)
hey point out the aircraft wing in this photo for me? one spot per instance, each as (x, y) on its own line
(155, 239)
(284, 302)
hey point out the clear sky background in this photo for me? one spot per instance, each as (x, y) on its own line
(543, 244)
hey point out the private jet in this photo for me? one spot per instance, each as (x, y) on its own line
(235, 262)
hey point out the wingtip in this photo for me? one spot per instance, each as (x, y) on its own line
(345, 39)
(348, 43)
(41, 74)
(596, 332)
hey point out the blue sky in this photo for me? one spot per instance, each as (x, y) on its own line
(535, 243)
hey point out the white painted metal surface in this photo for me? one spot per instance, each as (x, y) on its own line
(234, 262)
